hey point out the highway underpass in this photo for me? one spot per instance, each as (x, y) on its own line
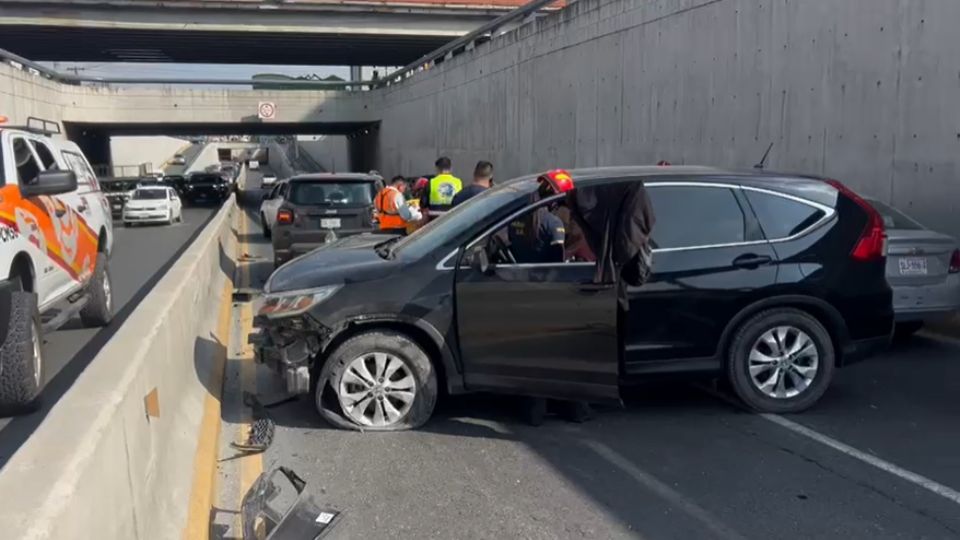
(135, 438)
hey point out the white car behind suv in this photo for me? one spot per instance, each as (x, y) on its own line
(55, 240)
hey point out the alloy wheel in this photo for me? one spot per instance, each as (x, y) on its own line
(377, 389)
(107, 291)
(783, 362)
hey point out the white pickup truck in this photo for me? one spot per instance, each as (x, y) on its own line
(56, 236)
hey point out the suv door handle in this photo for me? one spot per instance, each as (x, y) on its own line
(751, 260)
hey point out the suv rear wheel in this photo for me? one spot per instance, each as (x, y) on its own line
(21, 356)
(377, 381)
(781, 361)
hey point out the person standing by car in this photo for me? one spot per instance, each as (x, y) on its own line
(392, 208)
(419, 188)
(482, 180)
(442, 188)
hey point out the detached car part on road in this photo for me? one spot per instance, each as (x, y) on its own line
(56, 237)
(770, 280)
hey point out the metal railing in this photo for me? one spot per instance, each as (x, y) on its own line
(481, 34)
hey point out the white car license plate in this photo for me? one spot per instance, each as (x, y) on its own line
(330, 223)
(913, 266)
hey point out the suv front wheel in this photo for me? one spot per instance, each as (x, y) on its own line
(21, 356)
(781, 361)
(377, 381)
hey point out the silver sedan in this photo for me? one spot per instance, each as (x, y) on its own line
(923, 268)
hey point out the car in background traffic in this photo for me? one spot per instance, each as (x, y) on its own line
(118, 192)
(923, 267)
(268, 180)
(205, 188)
(175, 181)
(178, 159)
(315, 209)
(770, 281)
(268, 208)
(253, 165)
(155, 204)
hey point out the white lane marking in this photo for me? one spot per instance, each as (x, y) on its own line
(870, 459)
(675, 498)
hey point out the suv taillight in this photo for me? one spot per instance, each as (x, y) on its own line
(872, 243)
(955, 261)
(284, 216)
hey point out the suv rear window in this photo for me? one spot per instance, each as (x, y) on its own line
(331, 193)
(695, 216)
(781, 217)
(149, 194)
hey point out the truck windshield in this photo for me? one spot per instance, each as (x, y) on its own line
(331, 193)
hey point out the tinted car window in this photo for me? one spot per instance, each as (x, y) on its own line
(689, 216)
(893, 218)
(149, 194)
(49, 163)
(27, 167)
(331, 193)
(780, 217)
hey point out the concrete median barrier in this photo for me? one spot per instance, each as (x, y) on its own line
(114, 458)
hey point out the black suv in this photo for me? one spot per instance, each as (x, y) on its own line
(769, 280)
(205, 188)
(315, 209)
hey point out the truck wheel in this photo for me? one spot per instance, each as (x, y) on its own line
(377, 381)
(781, 361)
(99, 309)
(21, 356)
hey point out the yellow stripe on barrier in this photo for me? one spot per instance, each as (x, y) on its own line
(204, 490)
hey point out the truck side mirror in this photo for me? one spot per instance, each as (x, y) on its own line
(52, 182)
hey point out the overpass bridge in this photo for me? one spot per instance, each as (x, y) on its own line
(311, 32)
(860, 90)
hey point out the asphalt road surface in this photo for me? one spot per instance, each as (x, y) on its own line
(141, 255)
(879, 457)
(189, 155)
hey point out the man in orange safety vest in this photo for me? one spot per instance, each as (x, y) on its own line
(392, 209)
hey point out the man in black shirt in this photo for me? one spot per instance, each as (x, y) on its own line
(482, 179)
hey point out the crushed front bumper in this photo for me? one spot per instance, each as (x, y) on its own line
(288, 346)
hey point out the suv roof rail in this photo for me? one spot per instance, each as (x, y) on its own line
(38, 126)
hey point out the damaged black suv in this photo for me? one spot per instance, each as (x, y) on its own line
(768, 280)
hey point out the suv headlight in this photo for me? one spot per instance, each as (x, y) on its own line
(290, 303)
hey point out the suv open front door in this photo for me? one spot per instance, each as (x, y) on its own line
(540, 329)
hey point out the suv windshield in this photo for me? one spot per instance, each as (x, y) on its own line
(149, 194)
(117, 186)
(893, 218)
(477, 212)
(205, 179)
(337, 193)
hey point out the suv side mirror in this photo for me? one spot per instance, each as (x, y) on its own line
(50, 183)
(480, 260)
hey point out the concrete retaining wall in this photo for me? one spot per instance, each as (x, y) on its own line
(154, 150)
(98, 467)
(862, 90)
(329, 151)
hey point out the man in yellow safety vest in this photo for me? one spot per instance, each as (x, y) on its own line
(439, 196)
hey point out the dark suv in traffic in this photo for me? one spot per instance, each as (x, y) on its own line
(770, 281)
(313, 210)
